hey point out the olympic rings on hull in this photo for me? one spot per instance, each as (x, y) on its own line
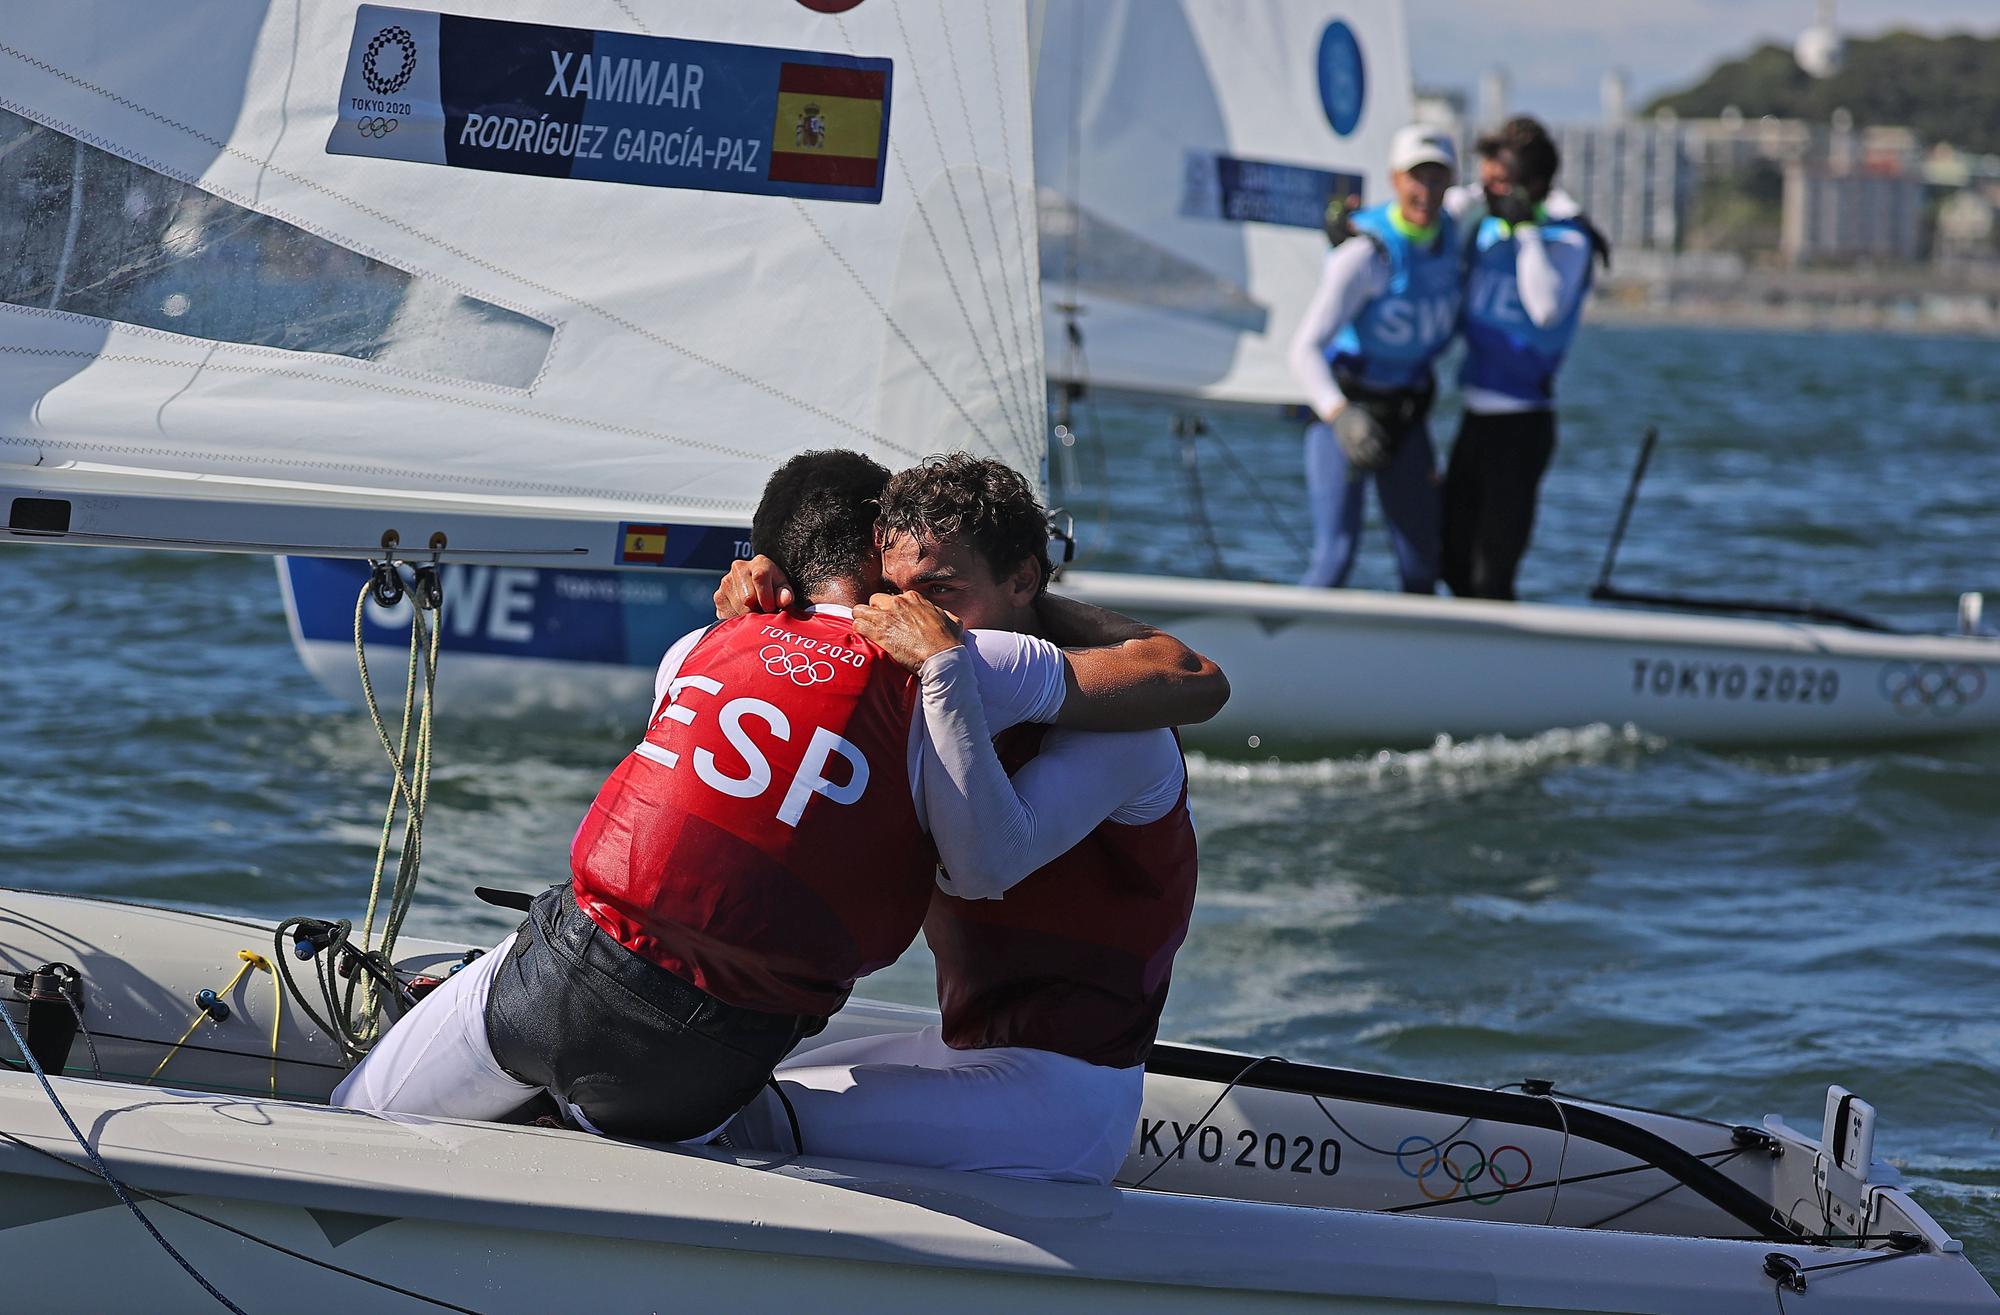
(804, 671)
(1913, 687)
(1443, 1172)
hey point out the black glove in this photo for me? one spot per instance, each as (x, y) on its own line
(1367, 443)
(1511, 206)
(1339, 219)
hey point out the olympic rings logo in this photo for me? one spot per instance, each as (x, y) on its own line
(1443, 1172)
(406, 45)
(377, 127)
(1915, 686)
(803, 670)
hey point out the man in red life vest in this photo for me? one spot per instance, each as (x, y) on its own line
(761, 848)
(1050, 993)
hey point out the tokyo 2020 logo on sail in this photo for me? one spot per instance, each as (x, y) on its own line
(405, 48)
(1343, 79)
(1941, 687)
(802, 669)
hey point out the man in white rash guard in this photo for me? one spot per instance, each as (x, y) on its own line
(1387, 304)
(1054, 933)
(760, 849)
(1528, 249)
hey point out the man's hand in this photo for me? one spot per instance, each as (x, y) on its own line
(1512, 207)
(908, 627)
(757, 585)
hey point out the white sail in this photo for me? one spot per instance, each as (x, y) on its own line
(241, 291)
(1184, 152)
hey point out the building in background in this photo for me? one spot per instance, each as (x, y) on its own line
(1860, 198)
(1632, 177)
(1968, 214)
(1780, 222)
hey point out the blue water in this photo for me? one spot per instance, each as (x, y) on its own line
(1720, 933)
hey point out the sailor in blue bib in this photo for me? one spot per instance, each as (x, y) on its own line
(1528, 252)
(1387, 304)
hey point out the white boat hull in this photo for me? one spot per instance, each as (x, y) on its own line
(498, 1218)
(1306, 666)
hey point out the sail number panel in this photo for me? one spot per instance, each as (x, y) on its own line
(564, 102)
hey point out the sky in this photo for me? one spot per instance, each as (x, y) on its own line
(1557, 51)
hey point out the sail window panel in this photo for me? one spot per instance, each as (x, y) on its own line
(1094, 255)
(91, 233)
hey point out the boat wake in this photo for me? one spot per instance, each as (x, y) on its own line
(1446, 758)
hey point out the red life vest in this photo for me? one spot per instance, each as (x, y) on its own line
(761, 842)
(1076, 958)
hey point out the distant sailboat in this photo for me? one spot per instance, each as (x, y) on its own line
(1184, 154)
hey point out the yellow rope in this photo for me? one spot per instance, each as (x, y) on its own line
(251, 961)
(277, 1007)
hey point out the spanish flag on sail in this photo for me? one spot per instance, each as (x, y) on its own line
(645, 544)
(829, 127)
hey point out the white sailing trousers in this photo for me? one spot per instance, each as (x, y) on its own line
(436, 1059)
(908, 1098)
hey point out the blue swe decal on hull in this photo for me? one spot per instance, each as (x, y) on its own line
(610, 617)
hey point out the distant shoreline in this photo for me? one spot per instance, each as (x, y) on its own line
(1751, 318)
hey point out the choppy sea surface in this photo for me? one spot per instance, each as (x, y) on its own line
(1721, 933)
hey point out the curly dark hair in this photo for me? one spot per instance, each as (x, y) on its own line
(817, 518)
(1526, 146)
(971, 500)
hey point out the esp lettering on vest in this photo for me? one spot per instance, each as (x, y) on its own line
(731, 718)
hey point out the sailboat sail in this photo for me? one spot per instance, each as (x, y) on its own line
(1185, 153)
(550, 279)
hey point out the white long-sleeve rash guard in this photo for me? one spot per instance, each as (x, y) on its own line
(1355, 273)
(1548, 275)
(991, 829)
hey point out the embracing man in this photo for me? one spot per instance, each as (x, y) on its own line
(1050, 993)
(762, 847)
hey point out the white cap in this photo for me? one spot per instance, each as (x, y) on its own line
(1418, 144)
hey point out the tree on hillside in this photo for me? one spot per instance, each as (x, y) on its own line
(1945, 88)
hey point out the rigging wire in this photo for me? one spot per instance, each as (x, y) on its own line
(945, 264)
(840, 257)
(1181, 1145)
(1787, 1272)
(1562, 1158)
(1019, 368)
(1014, 194)
(247, 1236)
(103, 1170)
(1717, 1158)
(1256, 488)
(1185, 427)
(1668, 1190)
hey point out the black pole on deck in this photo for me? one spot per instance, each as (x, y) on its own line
(1603, 585)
